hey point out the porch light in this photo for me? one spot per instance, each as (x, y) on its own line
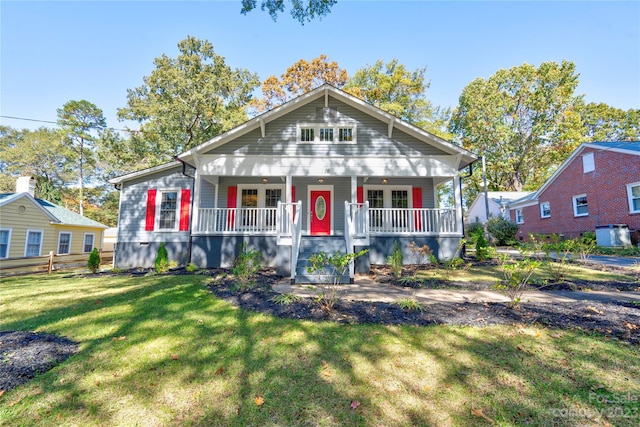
(385, 180)
(265, 180)
(320, 180)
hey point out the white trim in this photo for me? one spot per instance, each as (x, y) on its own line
(542, 215)
(588, 162)
(84, 242)
(311, 188)
(15, 197)
(519, 218)
(60, 233)
(26, 241)
(575, 207)
(156, 220)
(614, 149)
(144, 172)
(8, 241)
(630, 196)
(386, 194)
(262, 194)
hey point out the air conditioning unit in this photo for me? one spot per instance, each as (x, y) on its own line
(613, 235)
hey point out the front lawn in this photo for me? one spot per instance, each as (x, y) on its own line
(162, 350)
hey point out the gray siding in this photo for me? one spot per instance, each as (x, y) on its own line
(372, 136)
(137, 247)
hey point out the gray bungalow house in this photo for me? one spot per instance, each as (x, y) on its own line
(325, 171)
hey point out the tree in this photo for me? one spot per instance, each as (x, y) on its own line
(82, 121)
(300, 78)
(187, 100)
(523, 120)
(398, 91)
(605, 123)
(301, 10)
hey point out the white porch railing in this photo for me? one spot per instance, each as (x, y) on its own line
(412, 220)
(237, 220)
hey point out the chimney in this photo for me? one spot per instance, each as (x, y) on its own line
(26, 184)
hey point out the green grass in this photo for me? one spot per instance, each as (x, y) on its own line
(162, 350)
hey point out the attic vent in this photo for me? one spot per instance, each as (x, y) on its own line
(326, 113)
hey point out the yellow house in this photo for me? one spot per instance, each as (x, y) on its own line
(31, 227)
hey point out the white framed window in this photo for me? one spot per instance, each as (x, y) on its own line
(326, 133)
(580, 205)
(87, 245)
(545, 210)
(588, 163)
(264, 196)
(519, 216)
(64, 243)
(167, 208)
(383, 202)
(33, 243)
(5, 242)
(633, 191)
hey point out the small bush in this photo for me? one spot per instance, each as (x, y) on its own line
(191, 268)
(516, 275)
(246, 266)
(94, 261)
(409, 304)
(481, 245)
(421, 254)
(162, 259)
(396, 260)
(286, 299)
(588, 237)
(502, 230)
(472, 228)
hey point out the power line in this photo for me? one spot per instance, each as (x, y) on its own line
(57, 124)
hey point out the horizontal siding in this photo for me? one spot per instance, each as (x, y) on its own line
(133, 207)
(372, 137)
(77, 237)
(32, 219)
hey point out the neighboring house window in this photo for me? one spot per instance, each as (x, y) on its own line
(519, 216)
(588, 164)
(327, 133)
(5, 241)
(545, 210)
(168, 212)
(634, 197)
(580, 205)
(33, 245)
(88, 242)
(64, 243)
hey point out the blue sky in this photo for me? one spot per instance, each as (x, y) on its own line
(52, 52)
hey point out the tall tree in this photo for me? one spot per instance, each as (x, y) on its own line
(44, 154)
(523, 120)
(187, 100)
(395, 89)
(300, 78)
(605, 123)
(82, 121)
(301, 10)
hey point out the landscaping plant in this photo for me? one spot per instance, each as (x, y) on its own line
(421, 254)
(482, 252)
(94, 261)
(246, 266)
(162, 259)
(331, 268)
(396, 259)
(502, 230)
(409, 304)
(516, 275)
(562, 252)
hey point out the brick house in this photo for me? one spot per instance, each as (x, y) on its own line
(596, 187)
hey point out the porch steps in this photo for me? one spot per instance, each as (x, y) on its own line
(310, 245)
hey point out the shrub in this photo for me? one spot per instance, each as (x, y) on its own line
(561, 250)
(422, 254)
(516, 275)
(246, 266)
(409, 304)
(472, 228)
(503, 230)
(588, 237)
(396, 259)
(191, 268)
(162, 259)
(94, 261)
(482, 252)
(286, 299)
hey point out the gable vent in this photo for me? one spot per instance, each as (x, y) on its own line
(326, 113)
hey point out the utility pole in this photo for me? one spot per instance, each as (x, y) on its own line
(486, 193)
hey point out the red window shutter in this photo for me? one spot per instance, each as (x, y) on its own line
(151, 210)
(360, 195)
(417, 203)
(185, 204)
(232, 196)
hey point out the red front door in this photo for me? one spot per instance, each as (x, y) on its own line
(320, 212)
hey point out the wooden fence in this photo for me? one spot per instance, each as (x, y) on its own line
(48, 263)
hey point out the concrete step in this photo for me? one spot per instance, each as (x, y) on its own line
(319, 279)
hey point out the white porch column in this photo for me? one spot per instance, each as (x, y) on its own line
(354, 188)
(195, 215)
(288, 189)
(457, 202)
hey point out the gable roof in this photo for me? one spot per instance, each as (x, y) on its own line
(466, 157)
(148, 171)
(56, 213)
(632, 148)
